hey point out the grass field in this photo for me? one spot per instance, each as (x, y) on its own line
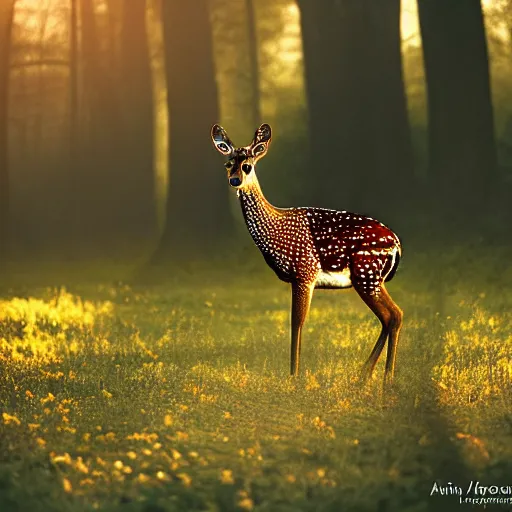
(176, 396)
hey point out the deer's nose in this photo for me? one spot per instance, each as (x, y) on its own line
(235, 182)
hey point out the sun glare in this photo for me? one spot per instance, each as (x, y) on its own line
(29, 15)
(409, 23)
(290, 50)
(286, 50)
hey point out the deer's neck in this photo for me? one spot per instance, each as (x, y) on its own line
(260, 216)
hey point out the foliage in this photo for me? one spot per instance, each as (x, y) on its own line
(477, 361)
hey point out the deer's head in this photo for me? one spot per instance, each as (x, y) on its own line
(241, 161)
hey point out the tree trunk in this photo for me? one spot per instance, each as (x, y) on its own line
(75, 170)
(101, 65)
(38, 145)
(114, 13)
(6, 22)
(92, 72)
(198, 214)
(252, 35)
(462, 152)
(73, 79)
(137, 173)
(360, 140)
(100, 137)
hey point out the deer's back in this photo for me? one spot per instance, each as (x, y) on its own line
(339, 236)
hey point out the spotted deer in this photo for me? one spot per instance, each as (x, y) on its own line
(317, 248)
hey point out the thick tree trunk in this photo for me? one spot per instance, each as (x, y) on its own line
(198, 214)
(137, 174)
(6, 22)
(462, 153)
(99, 70)
(100, 136)
(360, 140)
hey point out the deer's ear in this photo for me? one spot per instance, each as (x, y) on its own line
(221, 140)
(261, 140)
(263, 134)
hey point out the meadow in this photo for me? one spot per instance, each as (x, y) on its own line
(175, 396)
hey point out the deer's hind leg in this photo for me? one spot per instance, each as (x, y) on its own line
(394, 332)
(369, 284)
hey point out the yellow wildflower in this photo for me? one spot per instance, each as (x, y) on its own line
(66, 484)
(8, 419)
(226, 476)
(175, 454)
(185, 479)
(49, 398)
(80, 465)
(66, 458)
(246, 503)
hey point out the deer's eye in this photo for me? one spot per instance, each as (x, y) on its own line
(258, 149)
(228, 164)
(246, 168)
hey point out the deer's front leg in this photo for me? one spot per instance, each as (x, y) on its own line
(301, 299)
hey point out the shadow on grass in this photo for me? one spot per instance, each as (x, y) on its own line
(439, 458)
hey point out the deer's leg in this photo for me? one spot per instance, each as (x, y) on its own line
(301, 299)
(390, 316)
(394, 331)
(366, 274)
(384, 316)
